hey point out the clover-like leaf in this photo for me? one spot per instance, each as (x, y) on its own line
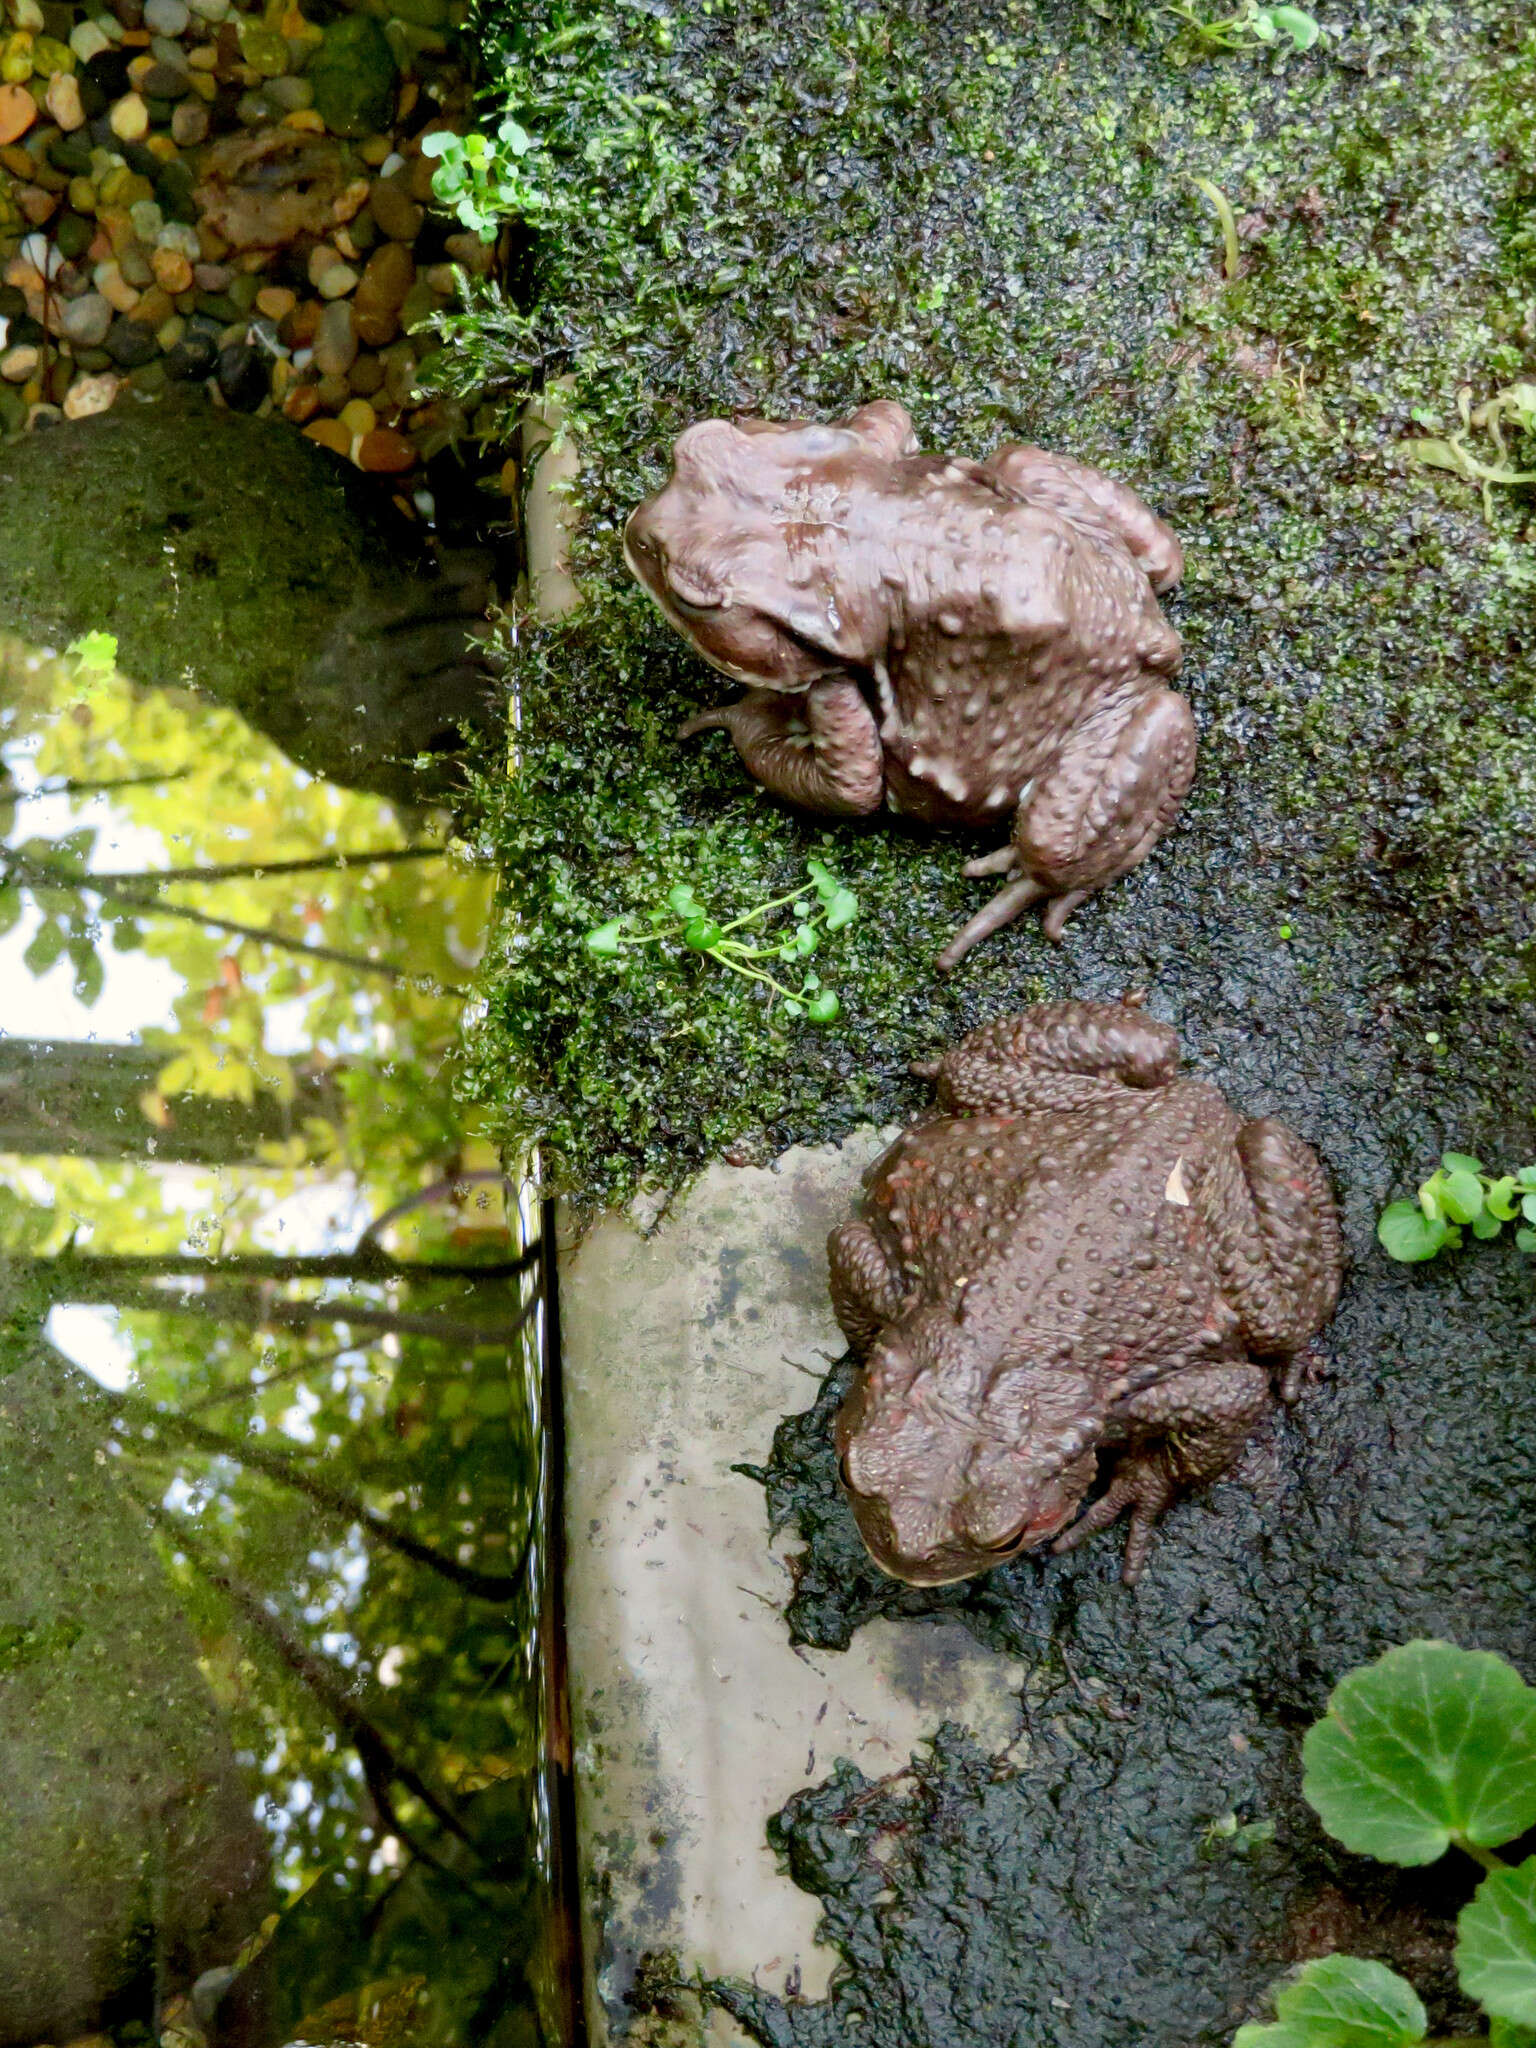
(1526, 1176)
(700, 934)
(1459, 1194)
(439, 143)
(1526, 1239)
(827, 884)
(1499, 1199)
(603, 939)
(684, 901)
(1429, 1745)
(1300, 27)
(1460, 1162)
(842, 909)
(1406, 1233)
(824, 1007)
(1342, 2002)
(1496, 1944)
(1486, 1226)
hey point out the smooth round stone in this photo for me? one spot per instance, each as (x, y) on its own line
(18, 110)
(336, 339)
(217, 307)
(336, 280)
(129, 118)
(195, 356)
(333, 393)
(172, 271)
(91, 360)
(147, 220)
(88, 40)
(86, 320)
(276, 301)
(166, 17)
(63, 101)
(189, 123)
(134, 264)
(210, 10)
(291, 93)
(18, 364)
(242, 375)
(330, 434)
(150, 378)
(131, 344)
(358, 416)
(164, 82)
(366, 377)
(70, 155)
(385, 453)
(255, 110)
(88, 395)
(164, 51)
(173, 187)
(74, 235)
(395, 210)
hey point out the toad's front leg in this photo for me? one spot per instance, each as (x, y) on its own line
(1111, 794)
(1185, 1431)
(818, 748)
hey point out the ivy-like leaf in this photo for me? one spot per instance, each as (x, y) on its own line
(1496, 1944)
(1342, 2002)
(1430, 1744)
(1406, 1233)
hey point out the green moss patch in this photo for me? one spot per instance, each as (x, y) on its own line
(988, 211)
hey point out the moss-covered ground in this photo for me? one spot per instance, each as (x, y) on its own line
(989, 211)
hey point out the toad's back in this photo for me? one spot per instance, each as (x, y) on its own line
(1071, 1233)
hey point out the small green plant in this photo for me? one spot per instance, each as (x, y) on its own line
(1513, 408)
(684, 916)
(484, 178)
(1428, 1749)
(1252, 28)
(1459, 1196)
(93, 655)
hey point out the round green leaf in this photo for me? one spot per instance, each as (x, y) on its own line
(843, 909)
(824, 1008)
(702, 933)
(1528, 1208)
(1272, 2037)
(604, 939)
(1301, 28)
(1526, 1239)
(1499, 1199)
(1486, 1226)
(1428, 1744)
(1496, 1944)
(1406, 1233)
(1461, 1195)
(1347, 2002)
(1460, 1162)
(1505, 2034)
(1526, 1175)
(683, 900)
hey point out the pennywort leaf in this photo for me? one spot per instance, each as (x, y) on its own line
(1342, 2002)
(1496, 1944)
(1406, 1233)
(1428, 1746)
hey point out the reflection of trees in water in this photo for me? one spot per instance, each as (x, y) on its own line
(322, 1470)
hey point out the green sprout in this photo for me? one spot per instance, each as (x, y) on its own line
(1251, 28)
(1430, 1748)
(94, 656)
(1514, 406)
(482, 177)
(684, 916)
(1459, 1196)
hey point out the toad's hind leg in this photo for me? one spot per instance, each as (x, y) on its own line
(1112, 793)
(866, 1284)
(1055, 1056)
(1275, 1229)
(1185, 1431)
(818, 749)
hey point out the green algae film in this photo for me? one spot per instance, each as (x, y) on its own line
(992, 217)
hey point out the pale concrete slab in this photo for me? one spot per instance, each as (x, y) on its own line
(694, 1718)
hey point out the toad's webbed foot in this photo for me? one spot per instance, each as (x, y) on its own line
(1185, 1431)
(1114, 790)
(817, 748)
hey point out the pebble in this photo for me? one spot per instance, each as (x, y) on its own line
(85, 320)
(276, 301)
(189, 124)
(17, 364)
(147, 220)
(358, 416)
(18, 110)
(89, 395)
(129, 118)
(114, 287)
(193, 357)
(385, 452)
(164, 82)
(330, 434)
(333, 391)
(366, 377)
(131, 344)
(210, 10)
(385, 284)
(63, 101)
(88, 39)
(336, 280)
(301, 404)
(242, 375)
(336, 339)
(172, 270)
(395, 210)
(166, 17)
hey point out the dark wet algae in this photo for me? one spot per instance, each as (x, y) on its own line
(987, 212)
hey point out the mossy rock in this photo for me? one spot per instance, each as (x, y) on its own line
(353, 74)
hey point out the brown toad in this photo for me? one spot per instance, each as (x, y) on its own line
(974, 643)
(1074, 1251)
